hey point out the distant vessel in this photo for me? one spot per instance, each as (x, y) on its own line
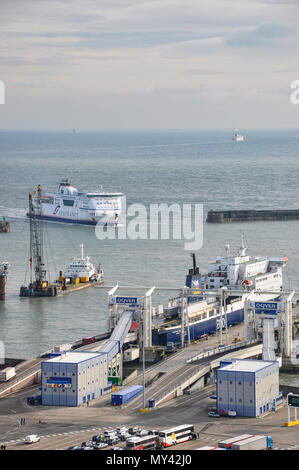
(237, 136)
(4, 225)
(3, 279)
(82, 268)
(240, 272)
(69, 205)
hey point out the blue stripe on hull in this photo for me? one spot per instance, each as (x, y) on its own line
(69, 221)
(197, 329)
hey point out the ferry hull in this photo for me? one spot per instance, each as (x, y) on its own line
(65, 220)
(197, 329)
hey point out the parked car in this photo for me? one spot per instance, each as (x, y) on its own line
(121, 430)
(96, 438)
(116, 448)
(125, 436)
(113, 440)
(133, 430)
(76, 448)
(213, 414)
(87, 444)
(99, 445)
(109, 433)
(32, 438)
(141, 432)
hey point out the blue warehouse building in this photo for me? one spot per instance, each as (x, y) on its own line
(248, 387)
(74, 378)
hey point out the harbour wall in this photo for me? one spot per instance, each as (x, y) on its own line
(251, 215)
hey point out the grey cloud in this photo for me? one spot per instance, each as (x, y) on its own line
(263, 35)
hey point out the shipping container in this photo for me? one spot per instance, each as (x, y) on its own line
(7, 374)
(253, 443)
(126, 395)
(131, 354)
(63, 347)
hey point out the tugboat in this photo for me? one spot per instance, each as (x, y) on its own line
(81, 270)
(3, 279)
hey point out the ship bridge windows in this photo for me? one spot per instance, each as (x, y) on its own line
(47, 200)
(68, 202)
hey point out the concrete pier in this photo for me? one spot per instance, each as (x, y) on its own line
(251, 215)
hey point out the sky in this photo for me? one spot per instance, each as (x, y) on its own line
(148, 64)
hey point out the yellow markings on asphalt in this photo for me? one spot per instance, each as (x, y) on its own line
(292, 423)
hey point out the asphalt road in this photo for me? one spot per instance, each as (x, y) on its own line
(61, 428)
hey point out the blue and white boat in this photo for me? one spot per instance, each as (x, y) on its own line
(69, 205)
(203, 310)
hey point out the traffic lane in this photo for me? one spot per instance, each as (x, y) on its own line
(165, 383)
(59, 441)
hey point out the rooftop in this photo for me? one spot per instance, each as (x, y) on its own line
(246, 365)
(74, 357)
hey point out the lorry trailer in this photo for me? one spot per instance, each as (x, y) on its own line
(254, 443)
(227, 443)
(126, 395)
(7, 374)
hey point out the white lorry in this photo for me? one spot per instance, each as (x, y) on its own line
(7, 374)
(253, 443)
(32, 438)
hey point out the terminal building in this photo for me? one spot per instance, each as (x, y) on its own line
(247, 387)
(74, 378)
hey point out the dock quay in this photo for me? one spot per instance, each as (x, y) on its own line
(77, 287)
(246, 215)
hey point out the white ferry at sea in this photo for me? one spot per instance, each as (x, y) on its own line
(240, 272)
(69, 205)
(82, 268)
(237, 137)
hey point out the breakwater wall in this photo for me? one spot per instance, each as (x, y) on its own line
(251, 215)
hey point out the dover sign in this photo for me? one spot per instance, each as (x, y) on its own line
(266, 308)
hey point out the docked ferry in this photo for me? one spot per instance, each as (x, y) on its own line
(203, 311)
(69, 205)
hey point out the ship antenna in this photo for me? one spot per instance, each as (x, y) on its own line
(194, 262)
(82, 250)
(243, 248)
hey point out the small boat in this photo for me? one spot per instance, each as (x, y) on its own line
(3, 278)
(237, 137)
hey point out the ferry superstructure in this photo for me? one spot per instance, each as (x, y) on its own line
(203, 312)
(69, 205)
(82, 268)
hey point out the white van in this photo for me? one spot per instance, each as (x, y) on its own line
(110, 433)
(32, 438)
